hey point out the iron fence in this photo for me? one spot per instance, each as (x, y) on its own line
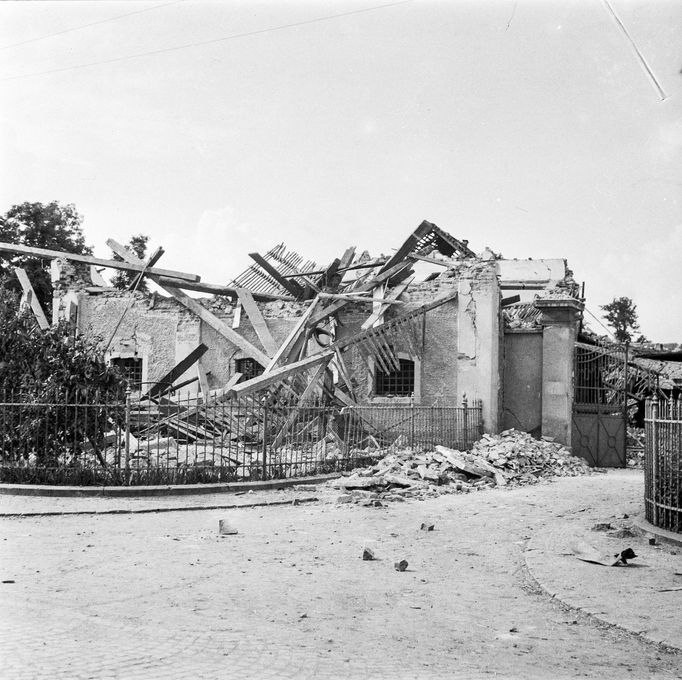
(90, 440)
(663, 463)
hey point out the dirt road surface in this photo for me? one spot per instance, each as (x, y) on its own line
(164, 596)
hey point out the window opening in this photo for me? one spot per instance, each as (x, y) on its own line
(131, 369)
(249, 368)
(395, 383)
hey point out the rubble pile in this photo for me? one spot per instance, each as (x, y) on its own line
(510, 458)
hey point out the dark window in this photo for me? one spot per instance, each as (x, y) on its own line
(395, 383)
(131, 368)
(249, 368)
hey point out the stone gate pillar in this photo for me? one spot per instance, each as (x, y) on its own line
(559, 320)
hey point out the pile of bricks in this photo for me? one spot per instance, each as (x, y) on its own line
(510, 458)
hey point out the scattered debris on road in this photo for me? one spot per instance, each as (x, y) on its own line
(588, 553)
(225, 528)
(368, 555)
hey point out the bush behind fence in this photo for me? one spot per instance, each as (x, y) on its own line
(87, 440)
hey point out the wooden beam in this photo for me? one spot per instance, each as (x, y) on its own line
(257, 321)
(87, 259)
(267, 379)
(155, 257)
(390, 299)
(355, 298)
(369, 285)
(408, 246)
(293, 415)
(203, 379)
(206, 316)
(214, 289)
(293, 336)
(431, 260)
(291, 286)
(31, 298)
(219, 325)
(165, 383)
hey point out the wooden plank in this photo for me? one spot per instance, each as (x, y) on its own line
(408, 246)
(291, 286)
(293, 415)
(214, 289)
(225, 392)
(431, 260)
(181, 367)
(266, 379)
(219, 325)
(286, 346)
(31, 298)
(369, 285)
(206, 316)
(354, 298)
(237, 317)
(376, 316)
(153, 259)
(203, 379)
(87, 259)
(257, 321)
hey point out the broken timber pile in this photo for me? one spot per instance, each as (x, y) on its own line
(510, 458)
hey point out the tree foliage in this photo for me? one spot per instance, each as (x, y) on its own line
(122, 279)
(54, 226)
(621, 315)
(47, 374)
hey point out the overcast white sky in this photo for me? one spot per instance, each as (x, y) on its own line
(526, 126)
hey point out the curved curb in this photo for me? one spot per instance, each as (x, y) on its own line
(598, 616)
(145, 491)
(188, 508)
(652, 531)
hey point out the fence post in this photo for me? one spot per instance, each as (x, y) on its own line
(127, 437)
(465, 408)
(654, 458)
(265, 443)
(412, 421)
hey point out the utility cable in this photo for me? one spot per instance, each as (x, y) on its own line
(94, 23)
(600, 323)
(234, 36)
(640, 56)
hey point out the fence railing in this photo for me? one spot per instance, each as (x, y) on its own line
(663, 463)
(129, 441)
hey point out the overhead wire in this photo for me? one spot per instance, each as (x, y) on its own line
(92, 23)
(599, 322)
(640, 56)
(234, 36)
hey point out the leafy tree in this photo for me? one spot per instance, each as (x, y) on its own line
(621, 315)
(54, 226)
(51, 377)
(123, 279)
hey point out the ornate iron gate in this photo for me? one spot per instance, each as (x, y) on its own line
(600, 380)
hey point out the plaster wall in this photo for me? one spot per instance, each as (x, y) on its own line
(522, 382)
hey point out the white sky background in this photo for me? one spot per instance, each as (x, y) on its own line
(529, 127)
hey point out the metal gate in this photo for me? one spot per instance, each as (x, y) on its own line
(600, 380)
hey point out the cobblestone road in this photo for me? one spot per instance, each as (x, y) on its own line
(163, 596)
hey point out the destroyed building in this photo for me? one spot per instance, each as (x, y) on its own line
(359, 330)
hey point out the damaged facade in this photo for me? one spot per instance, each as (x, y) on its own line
(358, 331)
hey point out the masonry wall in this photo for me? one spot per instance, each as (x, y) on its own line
(162, 332)
(522, 381)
